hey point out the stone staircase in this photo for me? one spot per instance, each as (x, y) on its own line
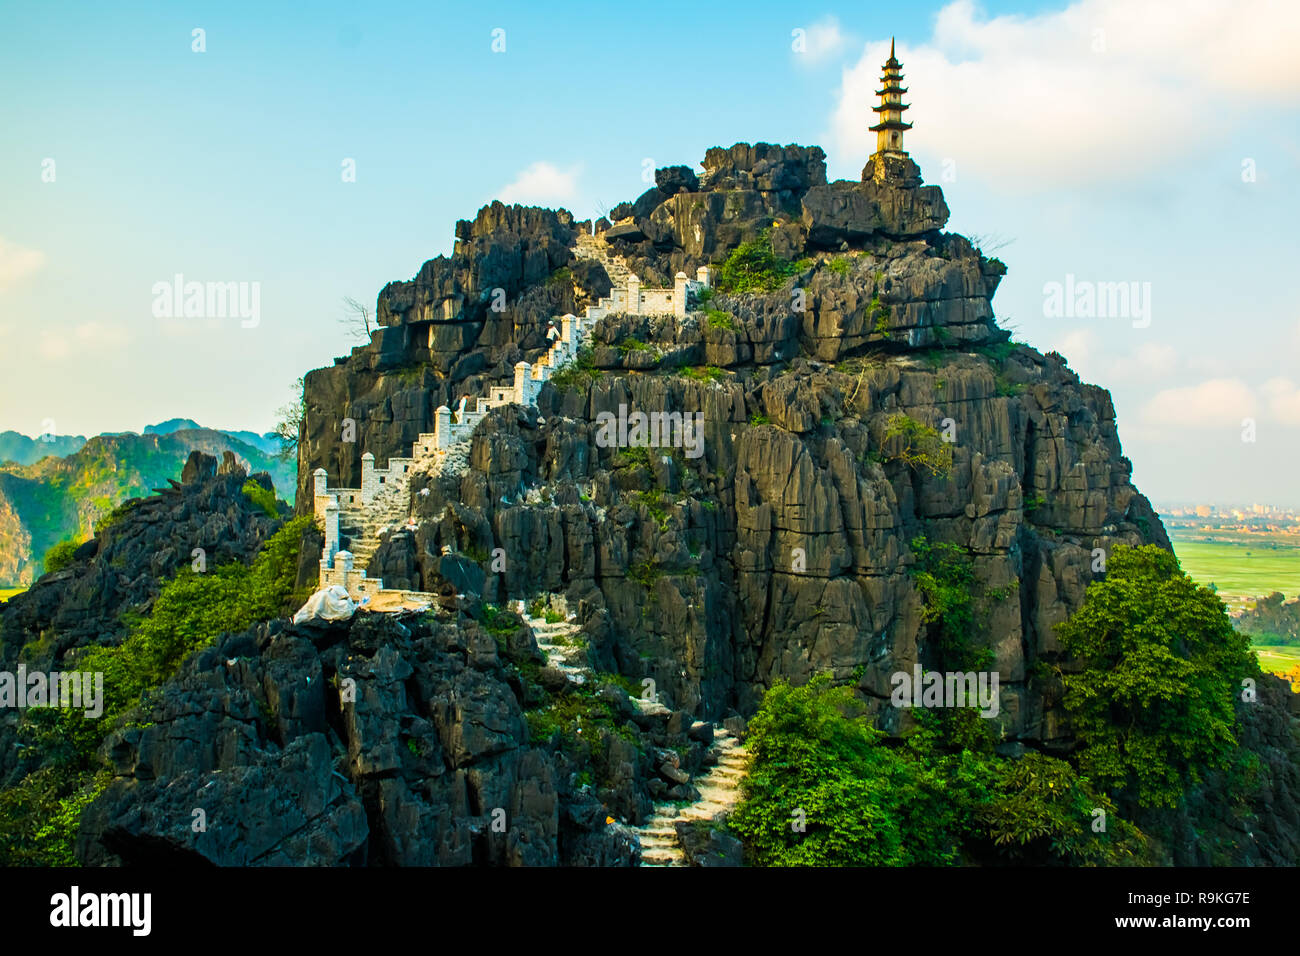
(383, 500)
(719, 793)
(719, 788)
(363, 527)
(564, 650)
(595, 247)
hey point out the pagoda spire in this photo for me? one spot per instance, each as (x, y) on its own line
(889, 131)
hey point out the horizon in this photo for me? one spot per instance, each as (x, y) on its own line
(248, 183)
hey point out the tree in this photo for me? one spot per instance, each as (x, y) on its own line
(289, 424)
(1154, 704)
(356, 318)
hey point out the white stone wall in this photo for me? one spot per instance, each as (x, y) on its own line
(455, 428)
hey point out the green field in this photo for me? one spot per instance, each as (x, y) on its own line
(1241, 571)
(1280, 659)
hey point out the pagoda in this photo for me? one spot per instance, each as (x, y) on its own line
(889, 131)
(890, 164)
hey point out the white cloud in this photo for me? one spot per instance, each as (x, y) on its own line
(1283, 400)
(89, 336)
(1091, 93)
(1216, 403)
(1151, 360)
(819, 42)
(542, 183)
(1077, 348)
(17, 262)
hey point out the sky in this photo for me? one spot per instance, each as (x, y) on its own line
(309, 153)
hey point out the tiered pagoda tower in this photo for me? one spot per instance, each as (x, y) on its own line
(889, 131)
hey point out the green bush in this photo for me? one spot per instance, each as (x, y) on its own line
(59, 556)
(754, 267)
(943, 798)
(261, 497)
(577, 374)
(862, 804)
(921, 447)
(1153, 705)
(720, 320)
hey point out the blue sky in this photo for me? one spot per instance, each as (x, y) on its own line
(1104, 140)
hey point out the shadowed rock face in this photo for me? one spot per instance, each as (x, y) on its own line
(385, 740)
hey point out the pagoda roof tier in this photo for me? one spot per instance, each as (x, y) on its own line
(891, 89)
(889, 125)
(890, 107)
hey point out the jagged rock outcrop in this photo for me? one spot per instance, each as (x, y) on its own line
(385, 740)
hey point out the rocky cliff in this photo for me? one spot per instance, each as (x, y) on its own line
(785, 548)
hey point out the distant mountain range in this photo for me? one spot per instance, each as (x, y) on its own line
(46, 498)
(18, 448)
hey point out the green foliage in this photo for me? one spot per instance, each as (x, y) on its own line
(632, 456)
(839, 266)
(561, 276)
(943, 798)
(1044, 812)
(720, 320)
(577, 374)
(757, 419)
(654, 503)
(945, 576)
(814, 755)
(261, 497)
(499, 622)
(645, 573)
(579, 715)
(1153, 705)
(921, 445)
(753, 267)
(60, 556)
(706, 373)
(631, 344)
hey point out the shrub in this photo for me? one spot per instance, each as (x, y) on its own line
(921, 445)
(261, 497)
(720, 320)
(814, 755)
(59, 556)
(754, 267)
(1153, 705)
(190, 611)
(942, 798)
(577, 374)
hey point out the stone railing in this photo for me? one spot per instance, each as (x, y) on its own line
(452, 431)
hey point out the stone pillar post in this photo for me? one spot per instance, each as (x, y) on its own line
(633, 295)
(442, 427)
(702, 275)
(369, 482)
(331, 530)
(679, 294)
(521, 383)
